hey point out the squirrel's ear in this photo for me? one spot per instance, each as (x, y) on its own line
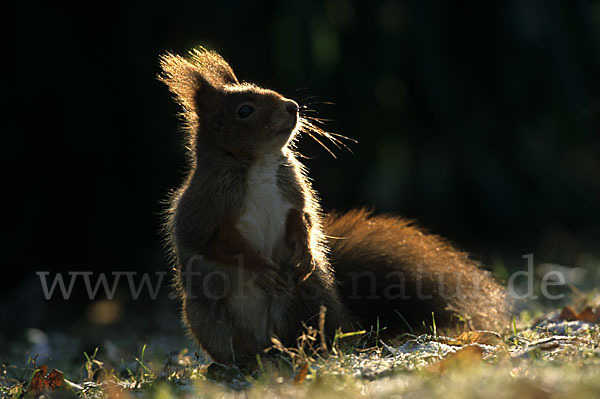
(213, 66)
(191, 88)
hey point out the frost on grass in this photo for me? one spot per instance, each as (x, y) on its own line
(558, 354)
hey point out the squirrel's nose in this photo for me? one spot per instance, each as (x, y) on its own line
(291, 106)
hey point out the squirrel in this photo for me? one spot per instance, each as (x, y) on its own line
(256, 258)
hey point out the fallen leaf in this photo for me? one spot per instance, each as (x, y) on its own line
(588, 315)
(568, 314)
(461, 359)
(301, 376)
(479, 337)
(43, 382)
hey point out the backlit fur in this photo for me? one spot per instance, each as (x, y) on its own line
(246, 233)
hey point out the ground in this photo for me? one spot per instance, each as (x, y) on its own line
(552, 355)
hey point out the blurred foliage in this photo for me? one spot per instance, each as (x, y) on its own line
(480, 120)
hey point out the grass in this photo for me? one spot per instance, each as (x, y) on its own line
(542, 357)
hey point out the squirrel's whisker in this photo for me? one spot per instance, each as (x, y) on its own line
(335, 140)
(309, 128)
(343, 137)
(333, 137)
(322, 122)
(307, 98)
(318, 102)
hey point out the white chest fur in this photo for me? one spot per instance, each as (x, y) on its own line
(264, 212)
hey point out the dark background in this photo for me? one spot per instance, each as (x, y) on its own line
(481, 121)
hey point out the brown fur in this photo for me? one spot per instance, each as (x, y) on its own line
(234, 298)
(234, 295)
(389, 269)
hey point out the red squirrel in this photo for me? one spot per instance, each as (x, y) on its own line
(255, 256)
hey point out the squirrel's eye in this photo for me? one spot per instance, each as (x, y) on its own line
(244, 111)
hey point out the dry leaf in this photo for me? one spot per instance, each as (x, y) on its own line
(461, 359)
(479, 337)
(301, 376)
(43, 382)
(568, 314)
(588, 315)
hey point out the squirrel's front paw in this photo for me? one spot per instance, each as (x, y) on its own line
(269, 278)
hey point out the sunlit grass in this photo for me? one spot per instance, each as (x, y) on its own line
(538, 358)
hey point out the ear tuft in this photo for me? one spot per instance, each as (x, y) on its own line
(212, 66)
(195, 81)
(182, 78)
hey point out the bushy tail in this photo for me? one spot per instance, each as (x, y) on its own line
(389, 271)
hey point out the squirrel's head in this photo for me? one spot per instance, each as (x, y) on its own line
(241, 119)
